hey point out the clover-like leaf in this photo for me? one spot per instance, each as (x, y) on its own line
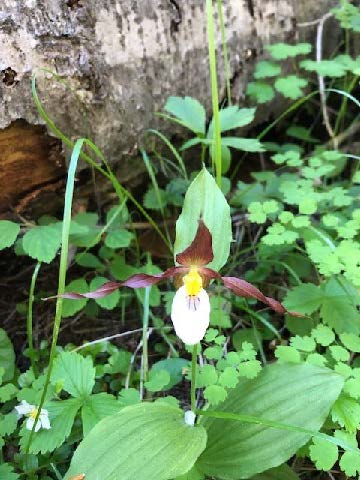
(291, 86)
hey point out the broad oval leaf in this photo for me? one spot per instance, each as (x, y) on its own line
(148, 441)
(205, 199)
(299, 395)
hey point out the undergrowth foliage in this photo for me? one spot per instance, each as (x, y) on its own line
(261, 387)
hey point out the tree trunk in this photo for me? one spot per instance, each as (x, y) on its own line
(120, 59)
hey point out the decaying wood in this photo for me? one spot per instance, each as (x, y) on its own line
(31, 162)
(120, 60)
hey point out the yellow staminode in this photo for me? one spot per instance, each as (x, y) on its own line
(193, 282)
(33, 413)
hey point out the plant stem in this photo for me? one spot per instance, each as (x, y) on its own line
(214, 90)
(29, 320)
(193, 377)
(145, 359)
(69, 192)
(225, 51)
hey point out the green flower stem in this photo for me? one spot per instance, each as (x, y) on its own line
(214, 90)
(29, 320)
(193, 377)
(62, 273)
(225, 51)
(145, 355)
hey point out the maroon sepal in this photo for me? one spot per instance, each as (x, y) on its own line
(139, 280)
(200, 251)
(247, 290)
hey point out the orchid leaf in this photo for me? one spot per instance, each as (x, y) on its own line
(169, 447)
(205, 200)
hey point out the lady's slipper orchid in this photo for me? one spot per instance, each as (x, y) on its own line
(190, 311)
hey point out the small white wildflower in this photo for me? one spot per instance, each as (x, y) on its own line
(30, 411)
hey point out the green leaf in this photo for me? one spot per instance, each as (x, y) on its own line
(305, 298)
(346, 411)
(205, 199)
(7, 473)
(118, 239)
(278, 473)
(110, 301)
(307, 206)
(189, 111)
(207, 376)
(158, 379)
(265, 69)
(301, 133)
(88, 260)
(338, 309)
(70, 307)
(245, 335)
(174, 366)
(213, 353)
(76, 373)
(245, 144)
(219, 312)
(350, 341)
(323, 335)
(291, 394)
(8, 423)
(229, 377)
(287, 354)
(42, 243)
(323, 454)
(62, 415)
(350, 463)
(291, 86)
(261, 92)
(325, 68)
(215, 394)
(281, 51)
(89, 237)
(232, 117)
(305, 344)
(249, 369)
(168, 446)
(340, 354)
(96, 407)
(317, 359)
(7, 392)
(155, 199)
(352, 387)
(192, 474)
(7, 356)
(8, 233)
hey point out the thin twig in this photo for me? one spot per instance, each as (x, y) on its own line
(137, 349)
(105, 339)
(308, 24)
(319, 36)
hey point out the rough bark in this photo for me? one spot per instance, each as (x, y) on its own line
(120, 59)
